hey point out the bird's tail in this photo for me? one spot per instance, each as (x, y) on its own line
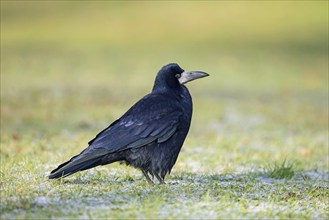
(77, 163)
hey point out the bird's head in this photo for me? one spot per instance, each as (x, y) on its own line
(173, 75)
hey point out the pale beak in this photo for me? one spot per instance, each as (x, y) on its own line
(191, 75)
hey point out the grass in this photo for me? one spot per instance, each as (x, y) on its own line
(280, 171)
(258, 145)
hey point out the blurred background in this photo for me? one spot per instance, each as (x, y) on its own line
(70, 68)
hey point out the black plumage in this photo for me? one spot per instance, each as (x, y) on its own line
(149, 136)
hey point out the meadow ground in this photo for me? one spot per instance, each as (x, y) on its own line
(258, 144)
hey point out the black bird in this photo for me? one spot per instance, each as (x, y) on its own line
(149, 136)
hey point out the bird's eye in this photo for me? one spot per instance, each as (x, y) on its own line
(177, 76)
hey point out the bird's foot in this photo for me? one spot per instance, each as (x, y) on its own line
(161, 180)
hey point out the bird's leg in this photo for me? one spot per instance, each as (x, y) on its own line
(161, 180)
(147, 177)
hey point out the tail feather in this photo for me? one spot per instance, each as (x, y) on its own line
(77, 163)
(85, 160)
(62, 165)
(66, 169)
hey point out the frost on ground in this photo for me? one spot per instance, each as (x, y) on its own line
(106, 192)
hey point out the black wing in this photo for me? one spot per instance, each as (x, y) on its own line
(153, 118)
